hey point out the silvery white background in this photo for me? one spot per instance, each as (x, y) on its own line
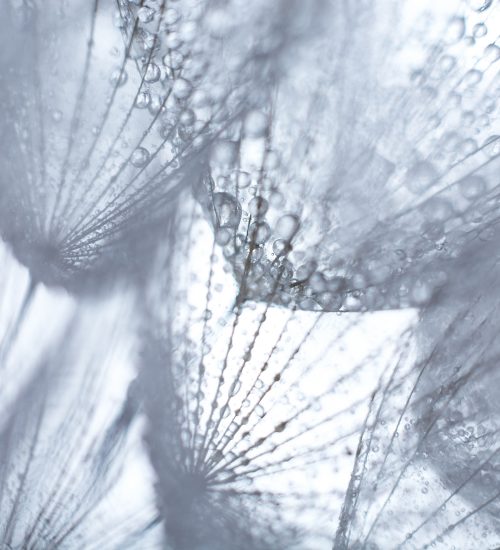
(249, 274)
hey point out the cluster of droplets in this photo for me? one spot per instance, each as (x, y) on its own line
(371, 193)
(381, 233)
(247, 431)
(431, 434)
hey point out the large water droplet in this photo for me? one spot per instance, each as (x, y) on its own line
(287, 226)
(182, 88)
(152, 73)
(139, 157)
(255, 124)
(437, 209)
(455, 30)
(143, 99)
(146, 14)
(227, 210)
(421, 176)
(472, 186)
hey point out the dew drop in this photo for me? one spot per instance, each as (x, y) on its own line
(472, 77)
(187, 117)
(479, 30)
(227, 210)
(279, 246)
(146, 15)
(280, 427)
(492, 54)
(446, 64)
(287, 226)
(139, 157)
(421, 176)
(258, 207)
(152, 73)
(455, 30)
(492, 146)
(260, 232)
(143, 99)
(480, 5)
(182, 88)
(472, 186)
(255, 124)
(173, 60)
(223, 236)
(421, 293)
(329, 301)
(243, 179)
(437, 209)
(118, 77)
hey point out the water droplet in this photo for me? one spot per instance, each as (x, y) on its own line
(224, 152)
(421, 176)
(259, 232)
(118, 77)
(305, 271)
(318, 282)
(187, 117)
(437, 209)
(472, 77)
(479, 30)
(182, 88)
(279, 247)
(173, 60)
(455, 30)
(446, 64)
(173, 40)
(421, 293)
(145, 14)
(223, 236)
(155, 104)
(255, 124)
(468, 146)
(492, 54)
(258, 207)
(287, 226)
(235, 388)
(492, 146)
(143, 99)
(480, 5)
(329, 301)
(152, 73)
(434, 231)
(472, 186)
(171, 16)
(243, 179)
(227, 210)
(282, 271)
(139, 157)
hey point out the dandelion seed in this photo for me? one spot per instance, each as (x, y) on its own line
(237, 425)
(64, 441)
(74, 190)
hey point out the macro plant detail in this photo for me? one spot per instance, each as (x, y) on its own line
(249, 274)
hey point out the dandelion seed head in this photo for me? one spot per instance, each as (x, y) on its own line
(365, 186)
(65, 430)
(237, 426)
